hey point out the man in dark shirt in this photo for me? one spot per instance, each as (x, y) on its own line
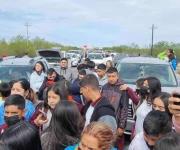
(97, 107)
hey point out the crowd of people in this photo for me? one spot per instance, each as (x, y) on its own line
(59, 110)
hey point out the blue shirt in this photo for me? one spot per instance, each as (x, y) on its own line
(74, 147)
(173, 63)
(29, 111)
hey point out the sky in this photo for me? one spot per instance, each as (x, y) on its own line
(95, 23)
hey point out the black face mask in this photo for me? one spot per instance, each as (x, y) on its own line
(151, 147)
(144, 91)
(12, 120)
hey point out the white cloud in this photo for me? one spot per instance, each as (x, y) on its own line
(116, 21)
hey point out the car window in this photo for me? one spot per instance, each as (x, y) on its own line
(130, 72)
(49, 53)
(95, 56)
(8, 73)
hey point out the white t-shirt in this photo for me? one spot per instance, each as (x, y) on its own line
(36, 80)
(88, 115)
(141, 113)
(138, 143)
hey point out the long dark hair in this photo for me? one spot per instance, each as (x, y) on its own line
(22, 136)
(66, 125)
(41, 63)
(171, 55)
(154, 87)
(60, 88)
(164, 96)
(26, 86)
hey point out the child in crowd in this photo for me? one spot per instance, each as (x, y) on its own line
(21, 87)
(14, 110)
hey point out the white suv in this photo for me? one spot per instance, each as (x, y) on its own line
(132, 68)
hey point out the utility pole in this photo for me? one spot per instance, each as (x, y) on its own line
(152, 38)
(27, 34)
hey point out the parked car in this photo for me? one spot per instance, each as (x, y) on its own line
(15, 68)
(79, 53)
(97, 58)
(132, 68)
(69, 55)
(74, 58)
(75, 61)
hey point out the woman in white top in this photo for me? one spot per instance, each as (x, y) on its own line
(148, 91)
(37, 77)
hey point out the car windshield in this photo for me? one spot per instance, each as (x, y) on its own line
(9, 72)
(95, 56)
(76, 52)
(69, 55)
(130, 72)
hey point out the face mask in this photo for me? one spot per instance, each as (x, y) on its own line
(144, 91)
(151, 147)
(12, 120)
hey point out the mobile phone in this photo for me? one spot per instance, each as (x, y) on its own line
(177, 95)
(44, 115)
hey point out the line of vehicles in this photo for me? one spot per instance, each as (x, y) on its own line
(75, 56)
(130, 69)
(12, 67)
